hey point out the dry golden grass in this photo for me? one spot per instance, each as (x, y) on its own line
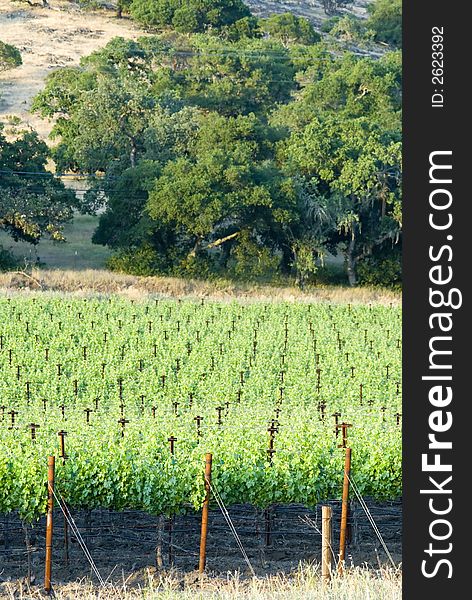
(357, 584)
(105, 282)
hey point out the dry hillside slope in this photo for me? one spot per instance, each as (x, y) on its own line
(48, 39)
(59, 36)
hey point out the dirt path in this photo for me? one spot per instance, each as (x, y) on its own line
(48, 39)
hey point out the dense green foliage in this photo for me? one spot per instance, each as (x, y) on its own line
(189, 16)
(382, 267)
(228, 185)
(7, 259)
(239, 157)
(345, 151)
(10, 57)
(159, 364)
(386, 21)
(30, 205)
(289, 28)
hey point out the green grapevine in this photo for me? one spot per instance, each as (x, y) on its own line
(121, 377)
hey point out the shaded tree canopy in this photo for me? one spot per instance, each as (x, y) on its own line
(190, 16)
(350, 177)
(31, 205)
(228, 185)
(289, 28)
(211, 194)
(344, 149)
(386, 21)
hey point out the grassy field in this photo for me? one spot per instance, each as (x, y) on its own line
(78, 265)
(77, 254)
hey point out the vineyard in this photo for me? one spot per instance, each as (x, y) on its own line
(131, 395)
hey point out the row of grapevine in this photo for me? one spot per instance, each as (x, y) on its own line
(261, 386)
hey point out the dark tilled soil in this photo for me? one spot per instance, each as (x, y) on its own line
(123, 544)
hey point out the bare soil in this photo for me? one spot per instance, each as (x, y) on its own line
(123, 545)
(49, 38)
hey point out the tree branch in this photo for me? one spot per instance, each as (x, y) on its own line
(222, 240)
(36, 281)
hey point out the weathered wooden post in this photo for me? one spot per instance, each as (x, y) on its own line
(326, 554)
(344, 510)
(49, 525)
(206, 504)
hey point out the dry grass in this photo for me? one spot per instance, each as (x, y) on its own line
(357, 584)
(49, 38)
(93, 282)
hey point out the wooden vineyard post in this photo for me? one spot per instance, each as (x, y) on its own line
(49, 523)
(326, 517)
(160, 531)
(206, 504)
(172, 441)
(61, 435)
(344, 510)
(273, 429)
(26, 527)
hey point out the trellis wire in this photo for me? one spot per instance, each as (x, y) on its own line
(231, 526)
(78, 535)
(371, 519)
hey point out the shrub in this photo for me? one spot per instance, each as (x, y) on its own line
(386, 21)
(289, 28)
(382, 268)
(10, 57)
(249, 259)
(190, 16)
(140, 261)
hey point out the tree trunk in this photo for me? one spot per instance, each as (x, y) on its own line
(132, 156)
(351, 261)
(195, 248)
(330, 6)
(222, 240)
(288, 258)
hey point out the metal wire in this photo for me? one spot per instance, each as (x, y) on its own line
(231, 525)
(371, 519)
(76, 531)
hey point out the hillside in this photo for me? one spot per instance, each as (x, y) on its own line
(312, 9)
(48, 39)
(60, 36)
